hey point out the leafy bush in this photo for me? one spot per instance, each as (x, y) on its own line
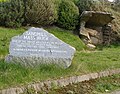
(68, 15)
(41, 12)
(88, 5)
(11, 13)
(14, 12)
(116, 6)
(57, 4)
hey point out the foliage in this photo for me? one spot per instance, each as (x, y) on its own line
(57, 4)
(117, 1)
(67, 37)
(5, 36)
(116, 13)
(11, 13)
(107, 84)
(116, 5)
(90, 5)
(14, 12)
(68, 15)
(41, 12)
(104, 6)
(83, 62)
(116, 22)
(103, 85)
(3, 0)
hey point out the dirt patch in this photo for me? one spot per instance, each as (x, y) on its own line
(97, 86)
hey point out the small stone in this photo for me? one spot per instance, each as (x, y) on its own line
(106, 90)
(70, 92)
(94, 27)
(91, 46)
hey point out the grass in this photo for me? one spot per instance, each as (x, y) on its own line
(103, 85)
(5, 36)
(67, 37)
(83, 62)
(107, 84)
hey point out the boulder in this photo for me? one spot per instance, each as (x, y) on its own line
(37, 46)
(94, 18)
(92, 26)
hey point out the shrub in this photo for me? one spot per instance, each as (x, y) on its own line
(57, 4)
(41, 12)
(116, 6)
(68, 15)
(11, 13)
(89, 5)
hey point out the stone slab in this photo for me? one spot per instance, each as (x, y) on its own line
(37, 46)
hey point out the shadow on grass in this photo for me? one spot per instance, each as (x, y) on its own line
(113, 45)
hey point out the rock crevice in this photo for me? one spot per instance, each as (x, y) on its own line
(95, 28)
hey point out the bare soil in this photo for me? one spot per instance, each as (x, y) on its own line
(97, 86)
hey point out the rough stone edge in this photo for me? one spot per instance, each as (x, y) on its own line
(48, 84)
(28, 61)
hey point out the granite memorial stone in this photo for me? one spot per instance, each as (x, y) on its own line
(37, 46)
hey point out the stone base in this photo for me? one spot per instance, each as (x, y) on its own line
(34, 61)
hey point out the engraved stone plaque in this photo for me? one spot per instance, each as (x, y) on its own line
(37, 46)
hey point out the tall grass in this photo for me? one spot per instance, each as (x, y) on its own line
(5, 36)
(83, 62)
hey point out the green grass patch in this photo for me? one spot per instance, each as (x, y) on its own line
(5, 36)
(67, 37)
(15, 74)
(83, 62)
(107, 84)
(103, 85)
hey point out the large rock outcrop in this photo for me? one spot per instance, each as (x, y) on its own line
(94, 27)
